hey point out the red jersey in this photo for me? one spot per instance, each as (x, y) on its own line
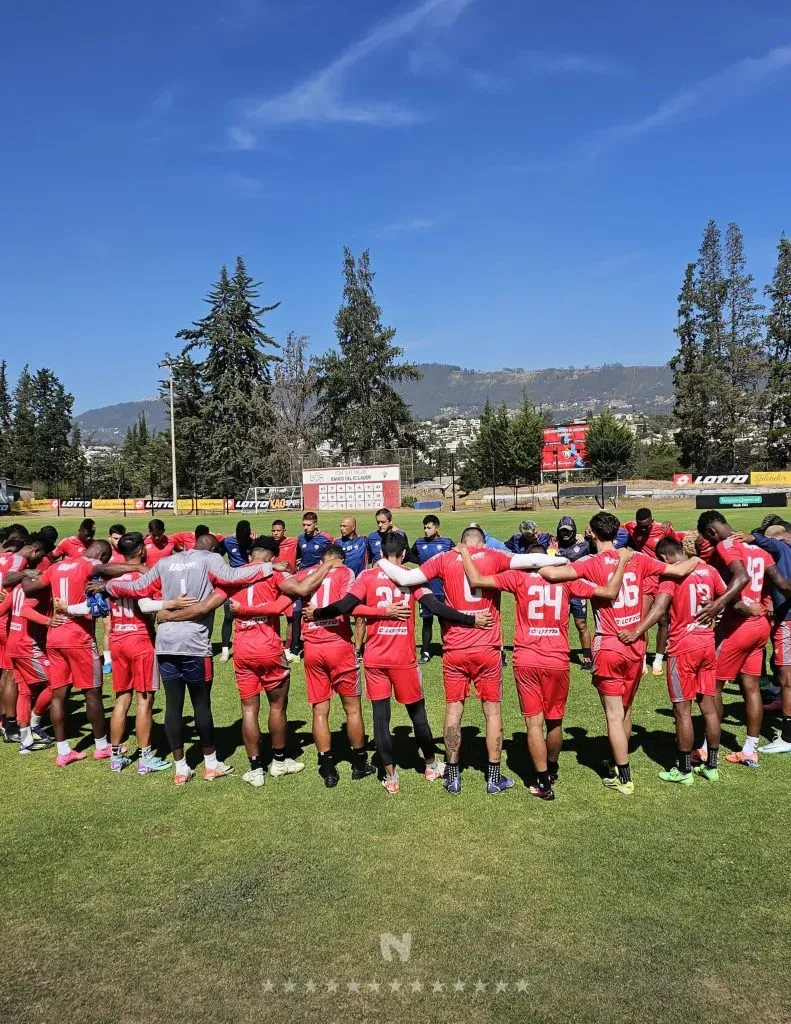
(756, 561)
(640, 580)
(335, 585)
(647, 542)
(158, 550)
(67, 581)
(116, 558)
(542, 615)
(27, 638)
(70, 547)
(389, 641)
(449, 568)
(125, 615)
(287, 553)
(185, 541)
(9, 562)
(687, 598)
(257, 637)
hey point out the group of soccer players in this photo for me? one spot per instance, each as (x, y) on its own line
(716, 595)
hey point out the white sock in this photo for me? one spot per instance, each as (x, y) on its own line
(211, 761)
(108, 658)
(226, 650)
(102, 744)
(704, 748)
(35, 720)
(182, 768)
(63, 747)
(750, 745)
(658, 659)
(27, 736)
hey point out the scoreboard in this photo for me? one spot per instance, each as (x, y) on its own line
(351, 487)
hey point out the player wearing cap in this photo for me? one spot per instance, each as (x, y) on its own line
(745, 628)
(425, 547)
(528, 535)
(617, 667)
(471, 657)
(692, 658)
(572, 549)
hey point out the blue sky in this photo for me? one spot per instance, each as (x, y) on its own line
(530, 178)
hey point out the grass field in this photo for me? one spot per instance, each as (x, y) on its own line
(127, 900)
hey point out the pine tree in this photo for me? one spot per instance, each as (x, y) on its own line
(526, 442)
(236, 381)
(52, 407)
(490, 460)
(6, 419)
(690, 379)
(358, 405)
(741, 358)
(611, 447)
(293, 403)
(75, 467)
(23, 430)
(777, 399)
(188, 408)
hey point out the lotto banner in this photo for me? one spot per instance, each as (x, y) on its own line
(351, 487)
(565, 448)
(709, 480)
(780, 478)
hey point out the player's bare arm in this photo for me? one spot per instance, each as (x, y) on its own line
(401, 576)
(306, 588)
(738, 581)
(659, 608)
(474, 578)
(678, 570)
(191, 609)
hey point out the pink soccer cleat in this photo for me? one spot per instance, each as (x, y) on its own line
(73, 755)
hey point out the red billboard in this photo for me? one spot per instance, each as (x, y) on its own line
(564, 448)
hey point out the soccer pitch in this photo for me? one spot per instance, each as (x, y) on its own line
(127, 899)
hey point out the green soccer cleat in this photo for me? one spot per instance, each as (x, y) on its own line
(711, 774)
(624, 788)
(674, 775)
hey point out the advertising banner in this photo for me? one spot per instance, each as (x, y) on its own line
(276, 499)
(564, 448)
(352, 487)
(776, 500)
(775, 478)
(709, 480)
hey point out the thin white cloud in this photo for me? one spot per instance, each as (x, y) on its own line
(320, 97)
(538, 63)
(241, 138)
(428, 61)
(246, 186)
(408, 224)
(720, 90)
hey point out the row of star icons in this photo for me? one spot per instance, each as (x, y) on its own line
(309, 987)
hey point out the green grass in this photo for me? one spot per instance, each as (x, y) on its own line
(127, 900)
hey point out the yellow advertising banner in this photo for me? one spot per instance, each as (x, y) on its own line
(32, 505)
(779, 478)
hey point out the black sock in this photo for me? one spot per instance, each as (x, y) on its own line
(278, 753)
(256, 763)
(115, 750)
(624, 772)
(359, 757)
(713, 758)
(586, 653)
(543, 781)
(785, 731)
(452, 771)
(493, 771)
(553, 767)
(426, 632)
(11, 724)
(685, 761)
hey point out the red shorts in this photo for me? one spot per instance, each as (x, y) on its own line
(5, 660)
(693, 672)
(259, 675)
(542, 691)
(742, 651)
(135, 668)
(31, 671)
(617, 675)
(781, 642)
(482, 667)
(74, 666)
(405, 683)
(331, 668)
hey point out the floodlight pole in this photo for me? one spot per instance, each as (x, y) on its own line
(174, 482)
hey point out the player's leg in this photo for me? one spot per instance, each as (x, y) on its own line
(107, 655)
(278, 731)
(198, 679)
(426, 635)
(31, 681)
(614, 713)
(251, 737)
(11, 732)
(495, 781)
(383, 741)
(454, 711)
(681, 772)
(121, 708)
(531, 704)
(170, 670)
(41, 705)
(359, 637)
(296, 630)
(781, 639)
(579, 611)
(424, 737)
(554, 727)
(709, 769)
(355, 730)
(94, 710)
(322, 737)
(751, 651)
(226, 632)
(661, 644)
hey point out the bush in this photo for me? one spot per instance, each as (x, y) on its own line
(408, 500)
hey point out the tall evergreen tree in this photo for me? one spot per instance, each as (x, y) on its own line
(490, 456)
(777, 400)
(358, 405)
(6, 419)
(236, 380)
(526, 442)
(52, 407)
(74, 471)
(23, 430)
(188, 408)
(611, 447)
(690, 379)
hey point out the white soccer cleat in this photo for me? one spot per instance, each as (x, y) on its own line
(287, 767)
(290, 656)
(225, 657)
(255, 777)
(777, 746)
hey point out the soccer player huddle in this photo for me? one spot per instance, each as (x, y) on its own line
(716, 597)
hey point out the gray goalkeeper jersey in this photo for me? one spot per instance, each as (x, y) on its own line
(192, 573)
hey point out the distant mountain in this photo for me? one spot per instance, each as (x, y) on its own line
(447, 390)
